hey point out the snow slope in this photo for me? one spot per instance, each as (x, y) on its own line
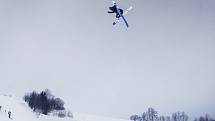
(21, 112)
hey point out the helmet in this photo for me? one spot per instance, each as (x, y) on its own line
(114, 2)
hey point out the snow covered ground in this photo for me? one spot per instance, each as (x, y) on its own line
(21, 112)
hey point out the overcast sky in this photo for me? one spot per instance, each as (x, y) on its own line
(165, 60)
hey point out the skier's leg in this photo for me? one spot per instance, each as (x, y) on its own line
(110, 12)
(121, 11)
(117, 16)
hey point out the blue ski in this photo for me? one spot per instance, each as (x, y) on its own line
(125, 13)
(126, 23)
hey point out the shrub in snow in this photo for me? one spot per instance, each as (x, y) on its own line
(152, 115)
(69, 114)
(61, 113)
(204, 118)
(43, 102)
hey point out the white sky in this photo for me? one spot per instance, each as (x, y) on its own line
(165, 60)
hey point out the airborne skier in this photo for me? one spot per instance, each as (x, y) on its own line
(119, 13)
(114, 10)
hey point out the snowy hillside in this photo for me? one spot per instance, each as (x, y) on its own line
(21, 112)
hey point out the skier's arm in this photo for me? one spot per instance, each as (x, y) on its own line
(110, 12)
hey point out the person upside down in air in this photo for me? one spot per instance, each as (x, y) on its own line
(114, 8)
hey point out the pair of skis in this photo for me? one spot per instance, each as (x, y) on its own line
(122, 16)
